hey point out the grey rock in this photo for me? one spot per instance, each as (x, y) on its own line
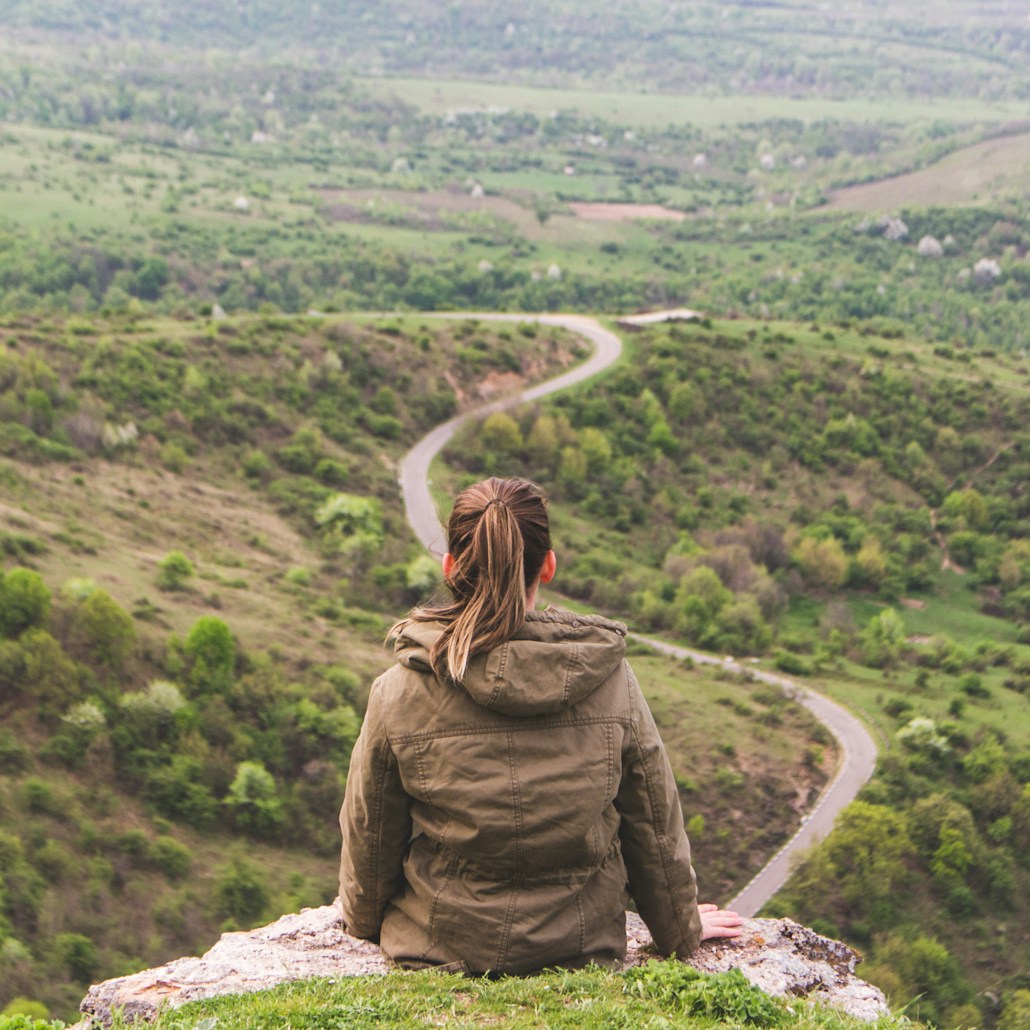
(778, 955)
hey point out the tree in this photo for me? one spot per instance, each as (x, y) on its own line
(930, 976)
(859, 872)
(739, 627)
(572, 471)
(352, 523)
(823, 563)
(597, 450)
(176, 792)
(699, 599)
(883, 639)
(254, 800)
(211, 651)
(500, 433)
(78, 954)
(422, 576)
(48, 675)
(870, 564)
(24, 601)
(240, 891)
(105, 630)
(543, 443)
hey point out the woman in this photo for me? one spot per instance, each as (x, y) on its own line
(509, 790)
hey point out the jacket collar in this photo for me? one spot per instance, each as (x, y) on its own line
(555, 660)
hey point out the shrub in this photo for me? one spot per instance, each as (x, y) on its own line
(298, 576)
(26, 1014)
(173, 571)
(253, 799)
(174, 457)
(24, 601)
(256, 465)
(175, 791)
(78, 954)
(240, 892)
(38, 796)
(792, 664)
(105, 630)
(47, 675)
(14, 756)
(55, 861)
(171, 857)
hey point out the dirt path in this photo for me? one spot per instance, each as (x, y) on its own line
(857, 748)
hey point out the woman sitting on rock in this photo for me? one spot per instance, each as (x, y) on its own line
(509, 791)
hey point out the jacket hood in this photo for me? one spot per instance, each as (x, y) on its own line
(553, 662)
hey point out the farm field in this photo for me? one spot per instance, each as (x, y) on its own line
(984, 173)
(655, 110)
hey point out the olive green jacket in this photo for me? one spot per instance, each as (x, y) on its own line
(498, 825)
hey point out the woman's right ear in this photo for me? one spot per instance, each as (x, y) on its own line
(448, 564)
(549, 567)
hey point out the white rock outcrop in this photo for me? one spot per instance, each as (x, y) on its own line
(778, 955)
(985, 271)
(931, 247)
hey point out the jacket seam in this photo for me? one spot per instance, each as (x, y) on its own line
(420, 765)
(516, 799)
(502, 664)
(575, 660)
(452, 867)
(509, 919)
(610, 785)
(531, 725)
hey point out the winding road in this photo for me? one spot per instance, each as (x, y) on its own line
(857, 748)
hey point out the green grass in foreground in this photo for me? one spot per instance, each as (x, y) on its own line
(660, 994)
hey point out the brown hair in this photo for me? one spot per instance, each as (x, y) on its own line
(498, 536)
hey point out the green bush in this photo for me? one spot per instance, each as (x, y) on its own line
(253, 799)
(14, 756)
(792, 664)
(24, 601)
(78, 954)
(26, 1014)
(211, 651)
(174, 571)
(104, 630)
(256, 465)
(175, 791)
(240, 892)
(171, 857)
(38, 796)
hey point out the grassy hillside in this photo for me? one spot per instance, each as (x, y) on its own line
(203, 545)
(850, 508)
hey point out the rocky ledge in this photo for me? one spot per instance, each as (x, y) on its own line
(779, 956)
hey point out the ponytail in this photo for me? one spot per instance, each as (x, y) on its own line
(498, 538)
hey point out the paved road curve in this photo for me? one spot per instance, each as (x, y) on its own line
(858, 751)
